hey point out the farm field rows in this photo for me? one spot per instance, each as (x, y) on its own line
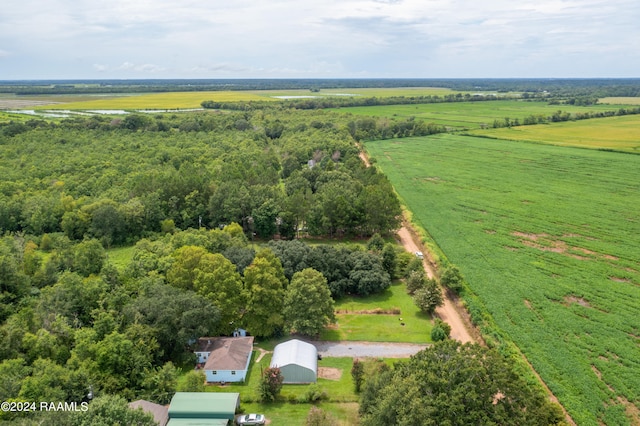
(367, 92)
(183, 100)
(170, 100)
(617, 133)
(620, 100)
(547, 238)
(472, 114)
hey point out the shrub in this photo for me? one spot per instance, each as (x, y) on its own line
(270, 384)
(440, 331)
(319, 417)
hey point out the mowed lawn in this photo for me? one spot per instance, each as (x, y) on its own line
(616, 133)
(547, 238)
(472, 115)
(399, 319)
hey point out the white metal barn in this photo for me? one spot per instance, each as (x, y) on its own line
(297, 360)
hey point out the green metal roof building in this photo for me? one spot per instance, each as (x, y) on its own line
(203, 408)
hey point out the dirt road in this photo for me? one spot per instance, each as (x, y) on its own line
(447, 312)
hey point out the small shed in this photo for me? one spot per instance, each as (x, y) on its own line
(203, 408)
(297, 361)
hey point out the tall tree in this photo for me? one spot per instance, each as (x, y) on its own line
(216, 279)
(455, 384)
(266, 294)
(308, 306)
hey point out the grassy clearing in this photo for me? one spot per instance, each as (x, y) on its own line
(355, 323)
(172, 100)
(616, 133)
(120, 257)
(471, 115)
(282, 413)
(547, 238)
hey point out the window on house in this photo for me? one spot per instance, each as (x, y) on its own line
(233, 373)
(214, 372)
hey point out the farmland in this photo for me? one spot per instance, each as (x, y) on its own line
(173, 100)
(470, 115)
(615, 133)
(546, 237)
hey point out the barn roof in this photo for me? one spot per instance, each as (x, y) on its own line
(203, 405)
(228, 353)
(295, 352)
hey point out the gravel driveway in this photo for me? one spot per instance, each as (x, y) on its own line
(367, 349)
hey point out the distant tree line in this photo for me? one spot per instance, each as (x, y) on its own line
(562, 87)
(323, 102)
(560, 116)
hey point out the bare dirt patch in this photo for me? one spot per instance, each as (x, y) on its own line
(22, 103)
(620, 280)
(262, 354)
(579, 300)
(329, 373)
(545, 242)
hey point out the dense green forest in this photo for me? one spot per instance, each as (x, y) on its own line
(120, 179)
(191, 191)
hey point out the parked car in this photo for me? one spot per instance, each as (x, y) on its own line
(419, 255)
(250, 419)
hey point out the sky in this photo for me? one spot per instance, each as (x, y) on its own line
(142, 39)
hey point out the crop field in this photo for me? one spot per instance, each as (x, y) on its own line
(171, 100)
(366, 92)
(615, 133)
(620, 100)
(547, 238)
(472, 115)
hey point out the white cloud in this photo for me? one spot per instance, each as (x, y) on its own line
(334, 38)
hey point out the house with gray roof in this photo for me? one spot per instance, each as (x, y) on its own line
(225, 359)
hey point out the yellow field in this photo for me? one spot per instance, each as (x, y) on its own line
(367, 92)
(618, 133)
(620, 101)
(171, 100)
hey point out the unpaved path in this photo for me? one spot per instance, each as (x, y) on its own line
(447, 312)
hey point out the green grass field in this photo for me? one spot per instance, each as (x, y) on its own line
(616, 133)
(341, 402)
(547, 238)
(355, 324)
(120, 257)
(471, 115)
